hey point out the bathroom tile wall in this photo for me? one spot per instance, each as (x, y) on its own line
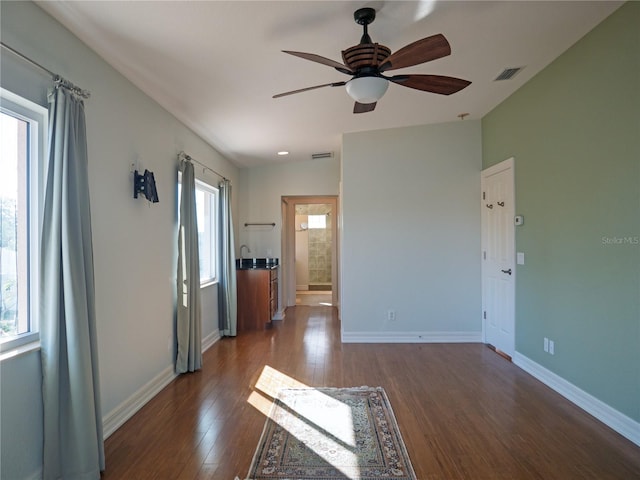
(319, 245)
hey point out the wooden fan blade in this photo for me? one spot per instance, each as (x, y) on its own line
(335, 84)
(431, 83)
(425, 50)
(364, 107)
(324, 61)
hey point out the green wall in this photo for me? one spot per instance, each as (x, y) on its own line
(574, 131)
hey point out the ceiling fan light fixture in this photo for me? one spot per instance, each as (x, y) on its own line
(367, 61)
(367, 89)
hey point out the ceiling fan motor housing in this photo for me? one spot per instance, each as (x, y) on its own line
(367, 61)
(365, 55)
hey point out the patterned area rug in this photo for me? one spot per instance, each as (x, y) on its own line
(331, 433)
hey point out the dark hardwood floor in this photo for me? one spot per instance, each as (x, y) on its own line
(464, 412)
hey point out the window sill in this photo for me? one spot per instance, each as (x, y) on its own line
(21, 350)
(208, 283)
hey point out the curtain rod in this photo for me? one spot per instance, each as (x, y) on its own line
(57, 78)
(184, 156)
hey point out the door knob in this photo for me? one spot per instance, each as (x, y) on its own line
(508, 272)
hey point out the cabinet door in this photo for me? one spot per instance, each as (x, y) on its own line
(253, 287)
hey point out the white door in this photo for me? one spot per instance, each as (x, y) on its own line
(498, 256)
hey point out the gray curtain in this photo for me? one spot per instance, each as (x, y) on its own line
(188, 318)
(73, 440)
(227, 300)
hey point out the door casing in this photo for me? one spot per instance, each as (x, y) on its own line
(287, 269)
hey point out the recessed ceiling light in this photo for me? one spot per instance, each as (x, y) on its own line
(283, 152)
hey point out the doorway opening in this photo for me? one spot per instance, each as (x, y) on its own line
(310, 251)
(313, 253)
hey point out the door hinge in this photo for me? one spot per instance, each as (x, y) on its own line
(484, 315)
(484, 196)
(484, 255)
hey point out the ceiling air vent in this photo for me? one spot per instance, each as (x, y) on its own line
(508, 73)
(317, 156)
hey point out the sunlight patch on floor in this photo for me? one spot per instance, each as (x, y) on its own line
(321, 412)
(272, 380)
(329, 422)
(260, 403)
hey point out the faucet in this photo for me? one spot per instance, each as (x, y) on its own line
(248, 251)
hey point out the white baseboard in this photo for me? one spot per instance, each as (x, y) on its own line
(209, 340)
(279, 315)
(625, 426)
(123, 412)
(411, 337)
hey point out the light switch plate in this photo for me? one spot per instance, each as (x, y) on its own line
(519, 220)
(520, 258)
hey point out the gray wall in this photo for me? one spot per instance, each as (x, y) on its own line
(411, 233)
(134, 242)
(261, 192)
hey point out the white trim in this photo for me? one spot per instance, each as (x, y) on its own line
(287, 275)
(14, 343)
(214, 193)
(498, 167)
(411, 337)
(123, 412)
(21, 350)
(625, 426)
(37, 117)
(279, 315)
(209, 340)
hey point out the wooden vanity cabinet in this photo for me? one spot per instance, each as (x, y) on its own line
(257, 298)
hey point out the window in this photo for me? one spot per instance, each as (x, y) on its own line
(207, 208)
(317, 221)
(23, 129)
(207, 214)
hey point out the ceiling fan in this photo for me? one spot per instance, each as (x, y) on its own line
(367, 61)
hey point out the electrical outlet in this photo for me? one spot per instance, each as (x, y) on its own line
(546, 344)
(552, 347)
(391, 315)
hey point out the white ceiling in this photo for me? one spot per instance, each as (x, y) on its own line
(216, 64)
